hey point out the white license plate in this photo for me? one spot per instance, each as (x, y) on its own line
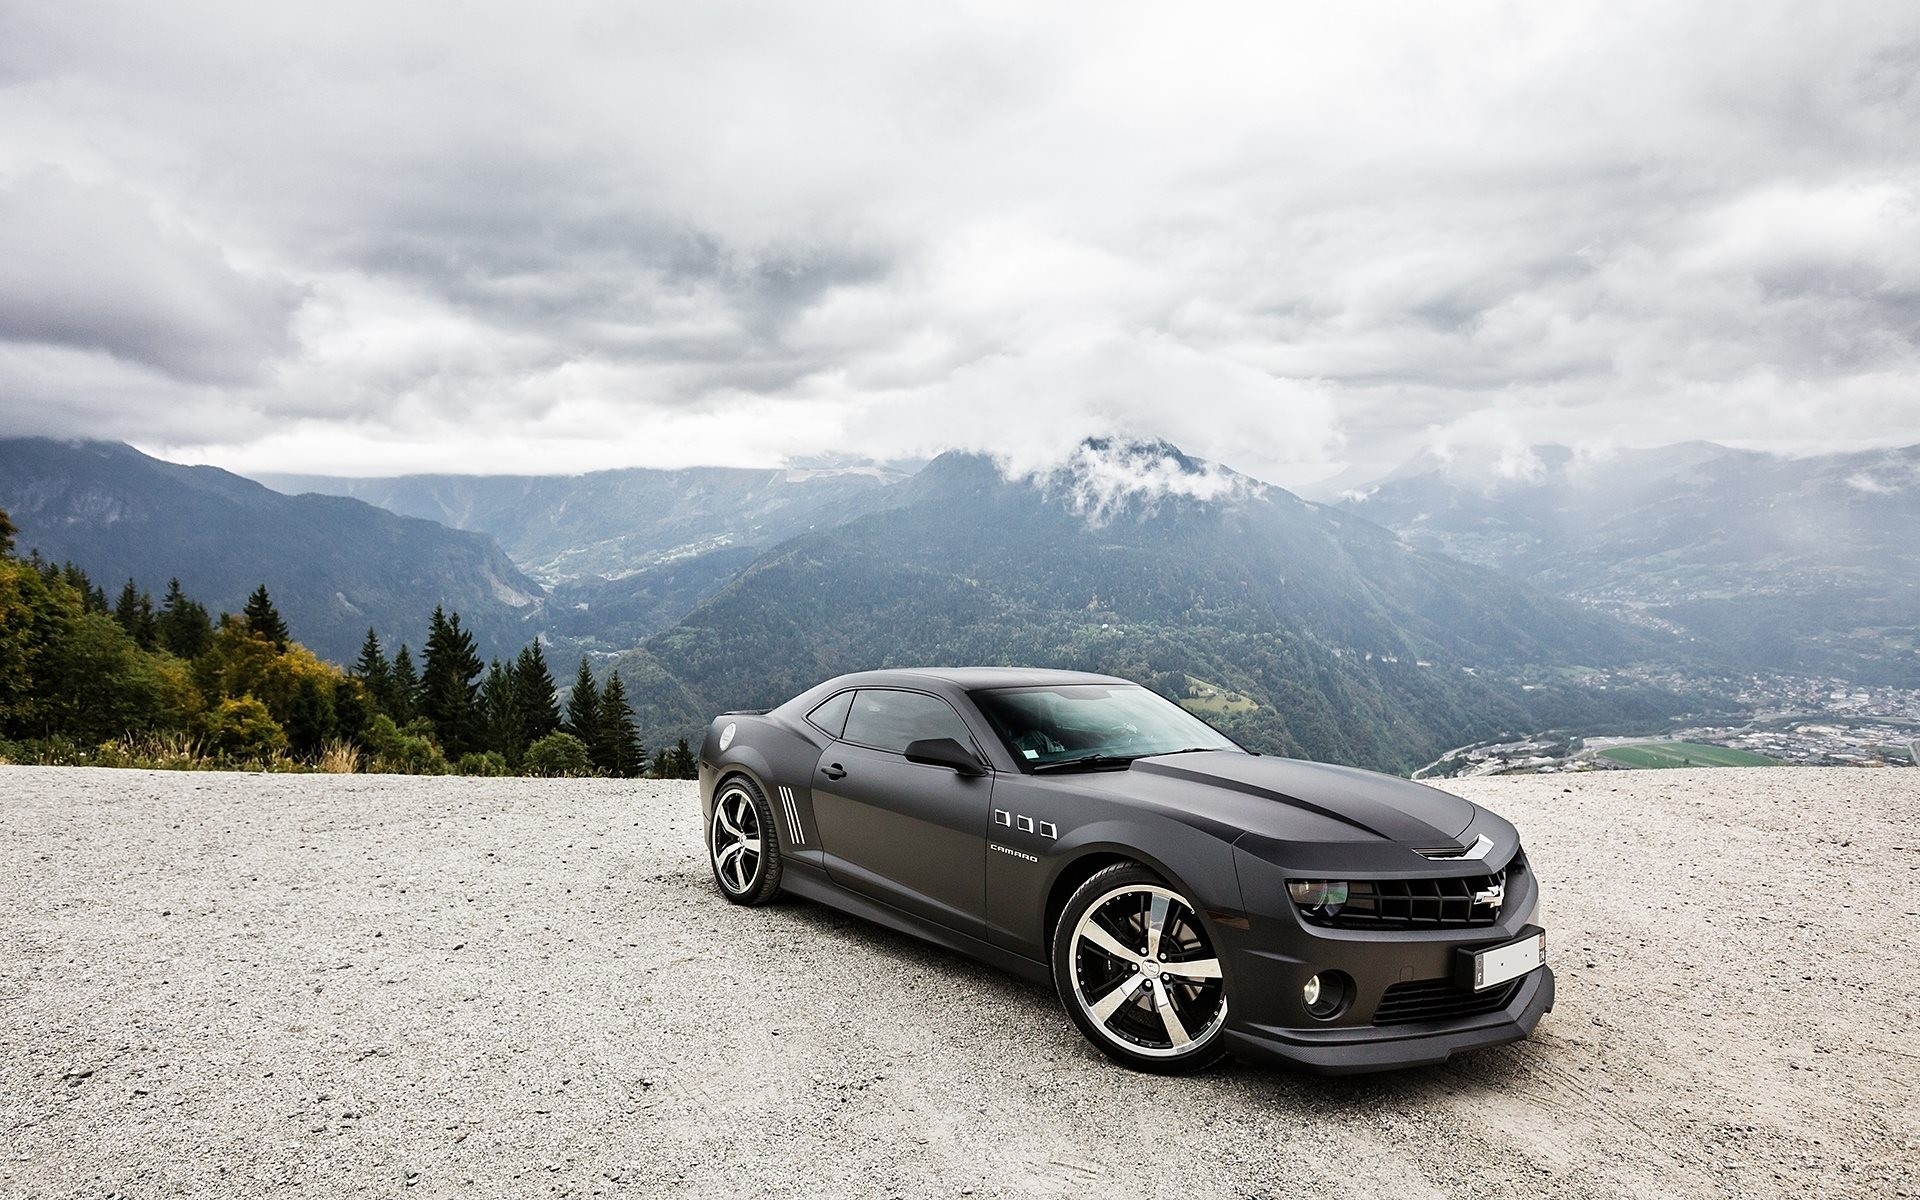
(1502, 963)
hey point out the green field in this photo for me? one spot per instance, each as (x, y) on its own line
(1686, 754)
(1212, 698)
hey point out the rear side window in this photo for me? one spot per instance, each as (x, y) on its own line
(889, 720)
(831, 717)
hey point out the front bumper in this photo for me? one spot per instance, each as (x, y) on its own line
(1351, 1049)
(1274, 951)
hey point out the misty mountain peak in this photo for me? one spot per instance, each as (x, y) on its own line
(1106, 477)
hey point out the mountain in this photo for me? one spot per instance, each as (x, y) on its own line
(624, 553)
(334, 566)
(613, 524)
(1809, 565)
(1297, 626)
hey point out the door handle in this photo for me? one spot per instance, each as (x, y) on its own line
(834, 771)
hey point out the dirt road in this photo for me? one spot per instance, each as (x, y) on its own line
(250, 985)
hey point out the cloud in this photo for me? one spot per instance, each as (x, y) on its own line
(1304, 243)
(1102, 478)
(90, 268)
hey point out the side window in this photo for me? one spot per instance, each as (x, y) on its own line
(889, 720)
(831, 717)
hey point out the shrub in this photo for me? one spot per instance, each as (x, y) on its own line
(409, 751)
(489, 763)
(241, 730)
(557, 755)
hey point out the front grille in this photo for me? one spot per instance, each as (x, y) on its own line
(1446, 903)
(1438, 1000)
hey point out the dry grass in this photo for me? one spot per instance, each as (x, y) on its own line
(338, 758)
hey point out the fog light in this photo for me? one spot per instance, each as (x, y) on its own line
(1325, 995)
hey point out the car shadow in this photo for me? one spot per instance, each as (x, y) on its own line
(1494, 1069)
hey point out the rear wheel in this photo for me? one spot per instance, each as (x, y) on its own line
(742, 843)
(1138, 974)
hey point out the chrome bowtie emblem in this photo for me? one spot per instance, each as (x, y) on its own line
(1492, 897)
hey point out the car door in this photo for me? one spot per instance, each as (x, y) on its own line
(908, 835)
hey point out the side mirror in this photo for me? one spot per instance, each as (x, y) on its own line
(944, 752)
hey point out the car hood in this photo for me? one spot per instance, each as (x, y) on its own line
(1291, 800)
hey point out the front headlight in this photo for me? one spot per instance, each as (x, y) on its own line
(1318, 895)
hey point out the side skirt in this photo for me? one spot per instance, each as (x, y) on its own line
(811, 883)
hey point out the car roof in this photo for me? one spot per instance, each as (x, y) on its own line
(970, 678)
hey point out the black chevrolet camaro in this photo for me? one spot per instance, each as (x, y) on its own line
(1186, 898)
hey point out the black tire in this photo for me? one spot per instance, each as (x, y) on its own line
(1146, 1014)
(751, 875)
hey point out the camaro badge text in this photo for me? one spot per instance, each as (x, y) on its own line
(1016, 853)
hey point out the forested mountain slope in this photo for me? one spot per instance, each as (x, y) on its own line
(1304, 629)
(336, 566)
(1806, 565)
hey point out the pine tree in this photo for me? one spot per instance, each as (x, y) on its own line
(375, 673)
(263, 619)
(680, 764)
(310, 719)
(404, 695)
(8, 530)
(184, 627)
(677, 763)
(500, 714)
(450, 685)
(93, 598)
(620, 753)
(134, 612)
(583, 710)
(126, 609)
(533, 688)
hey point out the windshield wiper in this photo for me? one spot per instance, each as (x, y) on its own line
(1089, 762)
(1188, 750)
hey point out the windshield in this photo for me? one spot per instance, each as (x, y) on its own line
(1044, 725)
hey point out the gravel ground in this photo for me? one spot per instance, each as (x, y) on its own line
(239, 985)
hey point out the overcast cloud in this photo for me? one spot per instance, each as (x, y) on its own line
(1307, 242)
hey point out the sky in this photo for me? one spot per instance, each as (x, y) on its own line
(1310, 242)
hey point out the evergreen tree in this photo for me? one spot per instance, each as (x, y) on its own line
(310, 718)
(534, 693)
(134, 611)
(620, 753)
(677, 763)
(350, 710)
(503, 731)
(8, 530)
(92, 597)
(404, 694)
(450, 685)
(184, 627)
(264, 619)
(583, 710)
(680, 763)
(126, 609)
(375, 673)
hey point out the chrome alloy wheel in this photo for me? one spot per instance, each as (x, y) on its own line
(1145, 973)
(734, 840)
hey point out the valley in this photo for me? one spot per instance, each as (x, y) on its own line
(1637, 598)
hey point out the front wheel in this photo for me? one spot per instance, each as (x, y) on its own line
(1138, 974)
(742, 844)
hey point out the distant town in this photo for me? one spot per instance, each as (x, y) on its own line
(1781, 720)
